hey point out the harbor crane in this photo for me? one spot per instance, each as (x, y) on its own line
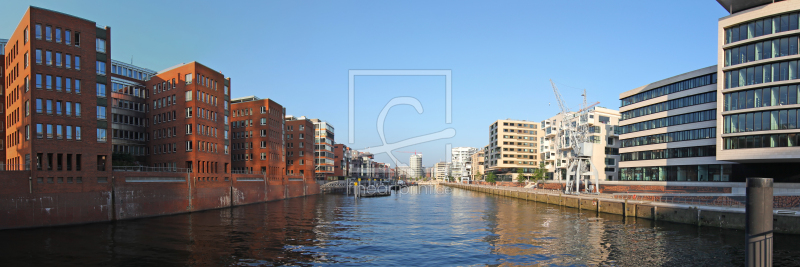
(575, 141)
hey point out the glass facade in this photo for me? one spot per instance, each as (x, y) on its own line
(711, 173)
(762, 141)
(773, 72)
(670, 88)
(761, 121)
(762, 50)
(762, 97)
(765, 26)
(692, 100)
(705, 115)
(694, 134)
(670, 153)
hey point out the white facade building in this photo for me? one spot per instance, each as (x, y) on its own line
(415, 162)
(459, 157)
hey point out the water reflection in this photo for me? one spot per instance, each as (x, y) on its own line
(418, 227)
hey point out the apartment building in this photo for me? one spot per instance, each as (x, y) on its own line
(258, 139)
(193, 99)
(669, 128)
(513, 144)
(299, 147)
(323, 149)
(56, 86)
(603, 137)
(129, 122)
(459, 157)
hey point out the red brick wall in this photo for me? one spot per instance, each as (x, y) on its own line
(251, 113)
(293, 150)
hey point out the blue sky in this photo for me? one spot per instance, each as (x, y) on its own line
(501, 53)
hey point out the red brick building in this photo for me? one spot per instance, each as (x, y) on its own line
(257, 140)
(5, 139)
(341, 161)
(300, 147)
(188, 120)
(56, 89)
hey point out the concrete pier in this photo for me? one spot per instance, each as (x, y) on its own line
(723, 217)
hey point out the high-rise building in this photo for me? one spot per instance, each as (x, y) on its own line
(603, 136)
(257, 137)
(460, 156)
(300, 148)
(415, 162)
(513, 145)
(56, 88)
(323, 149)
(193, 99)
(129, 122)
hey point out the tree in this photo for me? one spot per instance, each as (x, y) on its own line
(478, 176)
(520, 176)
(491, 177)
(538, 175)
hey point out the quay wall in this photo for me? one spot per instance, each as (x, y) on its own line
(723, 217)
(28, 202)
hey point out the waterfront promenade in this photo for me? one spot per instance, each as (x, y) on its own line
(698, 213)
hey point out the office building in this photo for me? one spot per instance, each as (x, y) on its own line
(342, 161)
(323, 149)
(513, 144)
(441, 170)
(415, 162)
(56, 89)
(257, 137)
(129, 122)
(300, 147)
(668, 130)
(477, 169)
(193, 99)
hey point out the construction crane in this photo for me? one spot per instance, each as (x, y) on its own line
(575, 137)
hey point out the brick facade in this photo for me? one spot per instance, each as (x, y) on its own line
(257, 139)
(300, 147)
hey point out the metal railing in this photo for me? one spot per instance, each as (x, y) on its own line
(148, 169)
(15, 167)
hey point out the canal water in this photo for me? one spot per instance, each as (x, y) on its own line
(425, 226)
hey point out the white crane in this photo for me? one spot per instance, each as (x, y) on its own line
(575, 136)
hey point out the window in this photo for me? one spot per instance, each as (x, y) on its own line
(77, 60)
(78, 137)
(68, 108)
(58, 107)
(188, 145)
(101, 90)
(58, 59)
(48, 33)
(77, 86)
(77, 39)
(68, 61)
(68, 85)
(101, 113)
(49, 106)
(38, 56)
(189, 79)
(49, 130)
(27, 132)
(188, 129)
(188, 93)
(59, 133)
(38, 31)
(25, 36)
(26, 60)
(101, 135)
(77, 109)
(101, 68)
(39, 131)
(58, 35)
(69, 132)
(67, 37)
(263, 121)
(189, 112)
(100, 45)
(48, 57)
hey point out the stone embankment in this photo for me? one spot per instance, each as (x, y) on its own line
(724, 217)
